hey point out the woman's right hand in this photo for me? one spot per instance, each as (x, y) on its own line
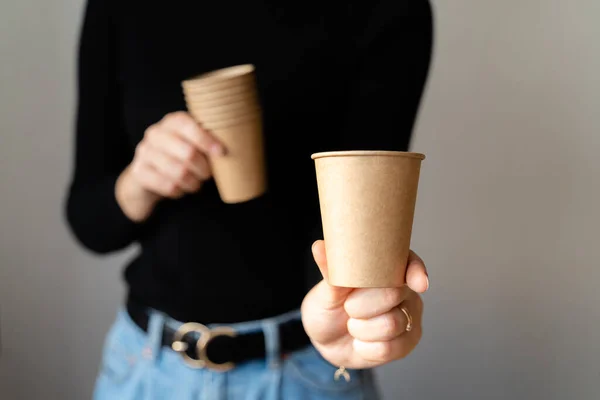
(170, 161)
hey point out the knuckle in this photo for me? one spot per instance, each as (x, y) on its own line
(353, 327)
(382, 351)
(210, 141)
(349, 308)
(196, 185)
(390, 325)
(188, 122)
(171, 189)
(392, 296)
(136, 169)
(151, 132)
(141, 148)
(181, 172)
(206, 172)
(177, 118)
(359, 310)
(141, 155)
(189, 154)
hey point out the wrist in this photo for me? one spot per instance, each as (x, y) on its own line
(135, 201)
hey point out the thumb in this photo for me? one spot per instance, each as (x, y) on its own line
(331, 297)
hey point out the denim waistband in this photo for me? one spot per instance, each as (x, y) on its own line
(269, 326)
(239, 327)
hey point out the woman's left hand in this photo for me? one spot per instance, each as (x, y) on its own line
(364, 328)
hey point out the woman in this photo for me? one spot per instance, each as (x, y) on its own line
(330, 77)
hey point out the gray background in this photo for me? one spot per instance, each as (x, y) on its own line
(507, 217)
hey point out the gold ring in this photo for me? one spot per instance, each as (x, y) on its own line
(408, 319)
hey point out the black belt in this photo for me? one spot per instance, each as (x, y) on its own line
(220, 348)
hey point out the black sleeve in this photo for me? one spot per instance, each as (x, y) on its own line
(393, 46)
(102, 150)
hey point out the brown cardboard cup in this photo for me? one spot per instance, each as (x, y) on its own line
(240, 174)
(211, 99)
(239, 75)
(225, 110)
(225, 101)
(225, 120)
(208, 94)
(228, 119)
(223, 113)
(367, 201)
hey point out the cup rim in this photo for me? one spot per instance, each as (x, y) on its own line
(359, 153)
(220, 76)
(227, 72)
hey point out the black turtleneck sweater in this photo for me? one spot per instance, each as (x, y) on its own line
(346, 76)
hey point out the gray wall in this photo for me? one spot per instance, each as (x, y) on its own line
(507, 217)
(56, 301)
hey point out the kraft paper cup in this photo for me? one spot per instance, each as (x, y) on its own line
(208, 94)
(224, 113)
(191, 86)
(367, 201)
(221, 121)
(225, 102)
(235, 73)
(240, 174)
(239, 75)
(211, 99)
(225, 109)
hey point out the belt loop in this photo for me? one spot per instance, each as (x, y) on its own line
(272, 340)
(273, 356)
(155, 332)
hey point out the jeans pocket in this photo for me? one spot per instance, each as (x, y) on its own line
(122, 354)
(316, 374)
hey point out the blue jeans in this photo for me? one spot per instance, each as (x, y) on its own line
(135, 366)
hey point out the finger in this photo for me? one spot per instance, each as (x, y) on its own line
(379, 353)
(416, 274)
(318, 250)
(187, 128)
(329, 296)
(153, 181)
(371, 302)
(169, 142)
(172, 170)
(383, 327)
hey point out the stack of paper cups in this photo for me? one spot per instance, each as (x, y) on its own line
(226, 103)
(367, 201)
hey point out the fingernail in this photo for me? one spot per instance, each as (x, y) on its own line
(216, 149)
(427, 280)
